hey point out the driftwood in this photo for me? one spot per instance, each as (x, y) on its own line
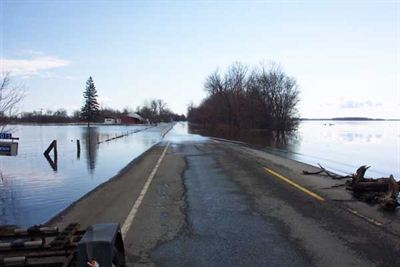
(383, 191)
(325, 172)
(389, 201)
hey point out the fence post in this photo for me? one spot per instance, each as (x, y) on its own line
(78, 148)
(52, 146)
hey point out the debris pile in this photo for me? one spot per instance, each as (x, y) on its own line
(383, 191)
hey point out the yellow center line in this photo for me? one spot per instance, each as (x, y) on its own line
(305, 190)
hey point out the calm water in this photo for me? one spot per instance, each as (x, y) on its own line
(32, 191)
(341, 147)
(346, 145)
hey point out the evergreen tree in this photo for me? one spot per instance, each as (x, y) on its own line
(90, 109)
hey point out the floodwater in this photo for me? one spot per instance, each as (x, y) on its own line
(344, 146)
(341, 146)
(33, 188)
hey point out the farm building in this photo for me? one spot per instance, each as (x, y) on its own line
(132, 118)
(111, 120)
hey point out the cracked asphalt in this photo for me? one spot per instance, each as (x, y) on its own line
(221, 228)
(211, 203)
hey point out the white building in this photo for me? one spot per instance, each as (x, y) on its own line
(111, 120)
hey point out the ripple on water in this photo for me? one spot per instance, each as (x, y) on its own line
(31, 191)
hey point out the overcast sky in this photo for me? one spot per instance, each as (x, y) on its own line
(344, 55)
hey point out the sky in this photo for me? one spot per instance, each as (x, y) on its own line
(345, 55)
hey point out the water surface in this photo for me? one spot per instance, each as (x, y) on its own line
(346, 145)
(341, 146)
(32, 190)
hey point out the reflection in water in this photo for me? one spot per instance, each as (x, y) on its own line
(53, 163)
(277, 139)
(91, 137)
(342, 147)
(31, 192)
(360, 138)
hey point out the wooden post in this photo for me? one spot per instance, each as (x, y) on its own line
(53, 145)
(78, 148)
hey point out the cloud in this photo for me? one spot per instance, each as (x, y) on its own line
(30, 52)
(353, 104)
(36, 65)
(104, 100)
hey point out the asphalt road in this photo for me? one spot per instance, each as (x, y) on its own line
(222, 228)
(213, 203)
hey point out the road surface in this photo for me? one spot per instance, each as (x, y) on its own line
(194, 201)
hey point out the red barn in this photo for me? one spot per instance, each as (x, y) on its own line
(132, 118)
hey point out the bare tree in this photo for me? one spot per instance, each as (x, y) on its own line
(10, 95)
(156, 110)
(265, 98)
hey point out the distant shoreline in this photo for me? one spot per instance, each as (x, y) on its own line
(347, 119)
(73, 124)
(103, 124)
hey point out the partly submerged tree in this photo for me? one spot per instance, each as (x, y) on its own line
(156, 110)
(90, 109)
(10, 96)
(264, 98)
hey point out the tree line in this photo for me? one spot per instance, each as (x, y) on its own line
(154, 111)
(258, 98)
(62, 116)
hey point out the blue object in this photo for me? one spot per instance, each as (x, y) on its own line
(5, 136)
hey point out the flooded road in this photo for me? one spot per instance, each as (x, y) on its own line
(341, 146)
(32, 190)
(195, 201)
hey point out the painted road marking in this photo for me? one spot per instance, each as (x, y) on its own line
(373, 221)
(305, 190)
(131, 216)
